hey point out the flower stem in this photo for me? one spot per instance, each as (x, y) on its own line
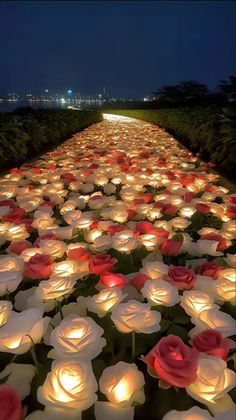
(34, 357)
(133, 345)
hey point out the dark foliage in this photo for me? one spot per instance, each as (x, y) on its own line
(25, 132)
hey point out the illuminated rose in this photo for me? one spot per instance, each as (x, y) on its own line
(17, 233)
(18, 247)
(181, 277)
(105, 301)
(55, 288)
(101, 263)
(17, 335)
(139, 280)
(123, 384)
(69, 389)
(211, 342)
(214, 319)
(173, 361)
(210, 269)
(136, 316)
(155, 270)
(196, 413)
(69, 269)
(5, 311)
(10, 273)
(80, 254)
(125, 241)
(102, 243)
(77, 338)
(111, 280)
(160, 292)
(171, 247)
(225, 290)
(195, 301)
(54, 248)
(222, 242)
(214, 380)
(39, 267)
(19, 376)
(10, 403)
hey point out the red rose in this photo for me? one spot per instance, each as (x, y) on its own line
(181, 277)
(101, 263)
(171, 247)
(9, 203)
(215, 237)
(139, 280)
(231, 212)
(173, 361)
(211, 342)
(39, 267)
(115, 229)
(210, 269)
(112, 280)
(15, 216)
(203, 208)
(18, 247)
(80, 254)
(10, 404)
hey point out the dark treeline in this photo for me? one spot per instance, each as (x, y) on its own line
(185, 94)
(26, 132)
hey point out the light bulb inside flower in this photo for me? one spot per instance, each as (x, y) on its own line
(121, 391)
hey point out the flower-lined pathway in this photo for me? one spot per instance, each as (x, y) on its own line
(117, 266)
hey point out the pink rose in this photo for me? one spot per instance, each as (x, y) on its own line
(39, 267)
(112, 280)
(101, 263)
(15, 216)
(10, 405)
(139, 280)
(115, 229)
(50, 236)
(173, 361)
(203, 208)
(215, 237)
(18, 247)
(181, 277)
(210, 269)
(171, 247)
(211, 342)
(80, 254)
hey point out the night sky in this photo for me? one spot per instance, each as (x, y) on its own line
(130, 47)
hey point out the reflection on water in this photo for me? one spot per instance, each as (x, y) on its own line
(83, 104)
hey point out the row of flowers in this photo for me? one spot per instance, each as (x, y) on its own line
(117, 275)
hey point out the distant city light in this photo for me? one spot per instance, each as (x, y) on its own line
(46, 90)
(63, 100)
(69, 92)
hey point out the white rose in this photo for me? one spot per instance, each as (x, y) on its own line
(154, 270)
(136, 316)
(5, 311)
(105, 301)
(214, 380)
(102, 243)
(10, 273)
(19, 376)
(160, 292)
(69, 388)
(213, 319)
(109, 189)
(55, 288)
(125, 241)
(194, 302)
(17, 334)
(77, 338)
(54, 248)
(123, 384)
(196, 413)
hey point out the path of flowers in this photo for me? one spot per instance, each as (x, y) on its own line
(117, 281)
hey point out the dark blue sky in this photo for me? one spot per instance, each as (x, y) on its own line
(131, 47)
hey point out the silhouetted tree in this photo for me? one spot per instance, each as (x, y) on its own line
(228, 89)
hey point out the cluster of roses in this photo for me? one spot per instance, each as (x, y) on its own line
(118, 227)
